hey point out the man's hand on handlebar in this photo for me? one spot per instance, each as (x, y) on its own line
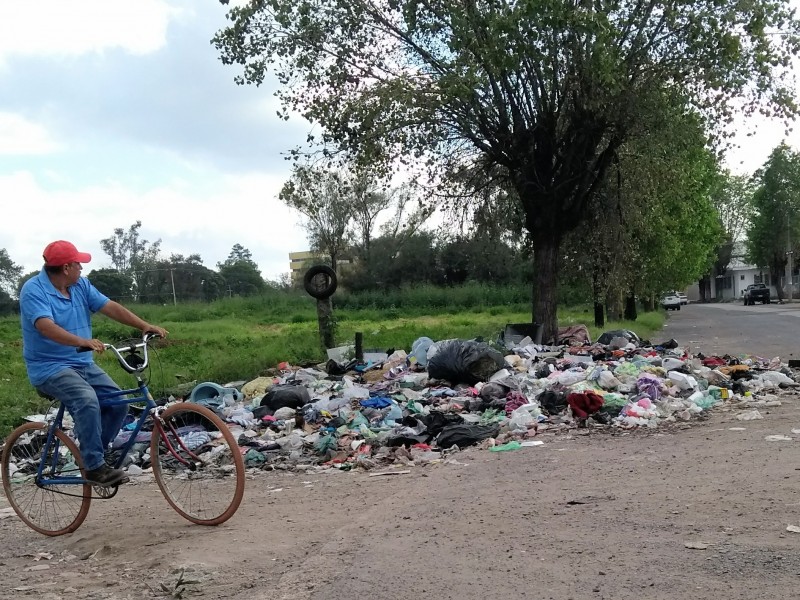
(95, 345)
(159, 331)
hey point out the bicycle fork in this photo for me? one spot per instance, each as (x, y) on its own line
(162, 425)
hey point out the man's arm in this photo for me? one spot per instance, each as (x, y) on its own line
(51, 331)
(114, 310)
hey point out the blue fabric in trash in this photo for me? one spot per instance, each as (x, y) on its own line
(377, 402)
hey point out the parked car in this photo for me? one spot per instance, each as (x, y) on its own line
(682, 296)
(671, 301)
(756, 292)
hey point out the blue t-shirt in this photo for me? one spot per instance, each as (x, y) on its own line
(39, 298)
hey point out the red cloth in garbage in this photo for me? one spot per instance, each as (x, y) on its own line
(584, 404)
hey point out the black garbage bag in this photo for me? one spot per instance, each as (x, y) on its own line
(629, 335)
(465, 361)
(293, 396)
(552, 402)
(466, 434)
(436, 421)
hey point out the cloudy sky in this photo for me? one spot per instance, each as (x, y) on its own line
(114, 111)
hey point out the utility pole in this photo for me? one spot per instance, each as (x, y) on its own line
(172, 279)
(789, 286)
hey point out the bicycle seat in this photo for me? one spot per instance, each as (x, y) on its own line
(46, 396)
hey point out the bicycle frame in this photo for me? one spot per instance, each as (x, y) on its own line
(142, 394)
(128, 396)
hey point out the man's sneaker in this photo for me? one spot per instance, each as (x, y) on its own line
(106, 476)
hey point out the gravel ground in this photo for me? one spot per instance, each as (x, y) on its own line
(596, 513)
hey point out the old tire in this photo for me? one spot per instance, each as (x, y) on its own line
(320, 282)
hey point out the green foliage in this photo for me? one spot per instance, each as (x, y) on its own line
(776, 202)
(25, 278)
(9, 273)
(541, 95)
(133, 256)
(326, 201)
(7, 304)
(117, 286)
(653, 224)
(240, 274)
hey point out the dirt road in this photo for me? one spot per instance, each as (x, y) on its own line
(693, 511)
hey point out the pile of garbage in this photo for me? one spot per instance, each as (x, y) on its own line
(442, 396)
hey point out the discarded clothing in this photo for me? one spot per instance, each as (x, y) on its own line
(585, 404)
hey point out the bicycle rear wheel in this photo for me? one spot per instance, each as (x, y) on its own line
(52, 509)
(197, 464)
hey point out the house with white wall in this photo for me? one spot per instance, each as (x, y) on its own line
(738, 275)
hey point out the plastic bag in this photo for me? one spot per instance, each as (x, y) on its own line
(683, 381)
(419, 350)
(523, 417)
(465, 435)
(512, 445)
(279, 396)
(469, 362)
(629, 335)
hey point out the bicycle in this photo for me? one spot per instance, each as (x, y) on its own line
(195, 459)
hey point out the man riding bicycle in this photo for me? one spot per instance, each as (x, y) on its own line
(56, 310)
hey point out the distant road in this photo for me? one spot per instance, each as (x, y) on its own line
(765, 330)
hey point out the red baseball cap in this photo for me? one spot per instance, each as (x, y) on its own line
(61, 252)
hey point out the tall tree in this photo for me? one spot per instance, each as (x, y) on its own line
(117, 286)
(340, 206)
(23, 279)
(543, 93)
(186, 278)
(653, 226)
(9, 273)
(132, 255)
(240, 272)
(732, 200)
(238, 254)
(775, 224)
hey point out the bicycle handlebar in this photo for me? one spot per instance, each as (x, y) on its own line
(131, 349)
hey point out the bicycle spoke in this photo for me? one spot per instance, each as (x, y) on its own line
(197, 464)
(52, 509)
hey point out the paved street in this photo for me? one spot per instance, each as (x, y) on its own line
(766, 330)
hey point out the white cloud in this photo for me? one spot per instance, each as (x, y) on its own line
(20, 137)
(188, 217)
(62, 28)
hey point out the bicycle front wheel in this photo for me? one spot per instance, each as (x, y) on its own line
(197, 464)
(49, 509)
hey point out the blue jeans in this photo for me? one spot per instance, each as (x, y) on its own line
(95, 427)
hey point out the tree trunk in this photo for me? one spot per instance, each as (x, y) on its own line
(545, 284)
(599, 315)
(630, 307)
(776, 280)
(613, 307)
(325, 320)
